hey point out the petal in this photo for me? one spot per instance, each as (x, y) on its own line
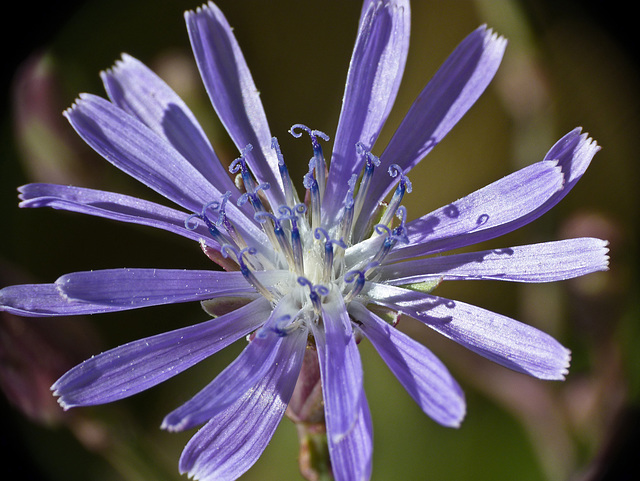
(45, 300)
(110, 205)
(340, 369)
(484, 214)
(503, 340)
(421, 373)
(545, 262)
(352, 455)
(137, 90)
(141, 364)
(135, 149)
(447, 97)
(374, 76)
(135, 288)
(233, 93)
(572, 153)
(231, 442)
(239, 377)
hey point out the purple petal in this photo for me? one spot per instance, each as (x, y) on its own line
(141, 364)
(135, 149)
(443, 229)
(574, 153)
(239, 377)
(447, 97)
(546, 262)
(351, 456)
(45, 300)
(113, 206)
(141, 93)
(340, 369)
(503, 340)
(230, 443)
(135, 288)
(110, 290)
(373, 80)
(233, 93)
(421, 373)
(484, 214)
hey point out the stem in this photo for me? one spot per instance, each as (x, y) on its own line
(315, 463)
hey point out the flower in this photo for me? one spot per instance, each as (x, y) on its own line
(312, 274)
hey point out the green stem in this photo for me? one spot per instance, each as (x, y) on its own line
(315, 464)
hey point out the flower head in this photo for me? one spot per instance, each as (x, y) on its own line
(308, 273)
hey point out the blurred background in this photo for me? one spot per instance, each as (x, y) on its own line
(568, 64)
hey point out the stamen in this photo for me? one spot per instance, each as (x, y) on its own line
(246, 272)
(320, 164)
(283, 243)
(347, 217)
(404, 185)
(359, 278)
(290, 193)
(327, 268)
(296, 241)
(401, 231)
(282, 327)
(315, 291)
(371, 162)
(393, 236)
(311, 185)
(240, 165)
(218, 236)
(228, 226)
(388, 243)
(253, 198)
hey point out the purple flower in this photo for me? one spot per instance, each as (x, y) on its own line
(303, 272)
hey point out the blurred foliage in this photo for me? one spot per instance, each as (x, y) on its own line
(562, 69)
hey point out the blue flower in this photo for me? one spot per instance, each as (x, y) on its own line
(305, 277)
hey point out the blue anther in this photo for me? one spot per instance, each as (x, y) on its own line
(253, 197)
(356, 277)
(240, 164)
(312, 133)
(349, 198)
(289, 191)
(279, 327)
(244, 269)
(400, 232)
(371, 159)
(211, 226)
(318, 163)
(395, 170)
(275, 145)
(315, 292)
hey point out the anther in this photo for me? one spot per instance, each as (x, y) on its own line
(311, 184)
(246, 272)
(290, 194)
(404, 185)
(327, 268)
(223, 221)
(281, 327)
(316, 292)
(280, 236)
(296, 241)
(358, 278)
(346, 224)
(371, 163)
(240, 165)
(218, 236)
(319, 162)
